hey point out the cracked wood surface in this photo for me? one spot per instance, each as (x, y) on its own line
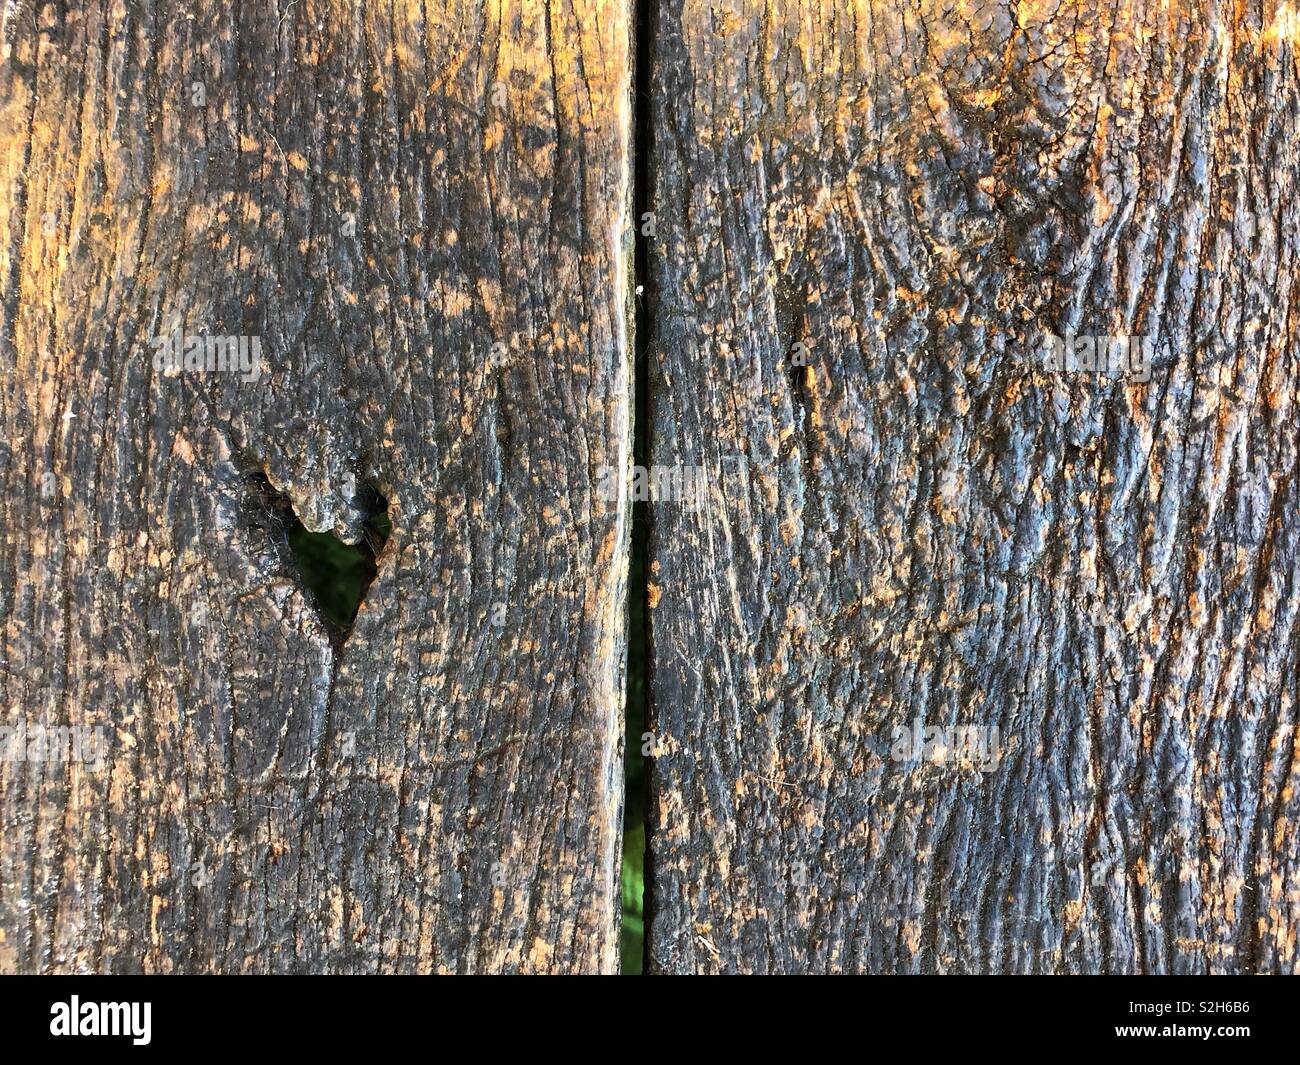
(422, 211)
(924, 524)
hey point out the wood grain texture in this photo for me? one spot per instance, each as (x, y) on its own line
(382, 192)
(925, 524)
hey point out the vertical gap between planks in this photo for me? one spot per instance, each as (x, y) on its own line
(634, 873)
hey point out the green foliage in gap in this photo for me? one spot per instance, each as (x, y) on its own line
(337, 573)
(632, 937)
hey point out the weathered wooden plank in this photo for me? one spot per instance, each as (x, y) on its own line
(928, 525)
(420, 210)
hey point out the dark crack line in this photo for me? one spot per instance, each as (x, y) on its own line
(637, 677)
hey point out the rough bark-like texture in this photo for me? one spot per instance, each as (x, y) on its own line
(926, 524)
(421, 210)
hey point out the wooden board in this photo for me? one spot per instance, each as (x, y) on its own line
(421, 212)
(926, 525)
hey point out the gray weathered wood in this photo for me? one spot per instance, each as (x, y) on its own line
(926, 524)
(421, 211)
